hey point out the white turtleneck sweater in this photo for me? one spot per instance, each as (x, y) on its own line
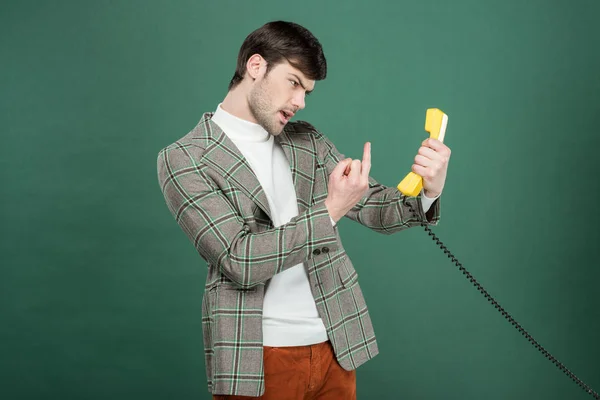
(290, 316)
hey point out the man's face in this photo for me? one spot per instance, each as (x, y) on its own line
(276, 97)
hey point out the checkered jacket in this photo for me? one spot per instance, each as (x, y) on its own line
(218, 202)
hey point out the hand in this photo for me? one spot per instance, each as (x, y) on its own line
(348, 183)
(431, 163)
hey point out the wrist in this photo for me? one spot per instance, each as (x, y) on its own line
(431, 194)
(332, 212)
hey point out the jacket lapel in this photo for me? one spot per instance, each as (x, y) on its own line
(300, 152)
(223, 155)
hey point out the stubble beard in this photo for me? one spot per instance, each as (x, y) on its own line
(261, 109)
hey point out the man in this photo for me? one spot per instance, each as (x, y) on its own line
(259, 197)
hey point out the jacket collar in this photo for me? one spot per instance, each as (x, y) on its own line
(223, 155)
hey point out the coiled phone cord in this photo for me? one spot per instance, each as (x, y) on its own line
(500, 309)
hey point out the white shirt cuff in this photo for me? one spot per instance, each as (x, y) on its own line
(426, 202)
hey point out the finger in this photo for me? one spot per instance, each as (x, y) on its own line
(355, 172)
(340, 168)
(367, 153)
(347, 170)
(429, 153)
(366, 162)
(420, 170)
(424, 161)
(436, 145)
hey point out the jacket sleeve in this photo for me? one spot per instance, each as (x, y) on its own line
(219, 233)
(383, 209)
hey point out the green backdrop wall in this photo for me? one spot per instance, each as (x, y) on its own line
(100, 290)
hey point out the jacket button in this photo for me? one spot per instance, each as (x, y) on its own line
(316, 252)
(325, 250)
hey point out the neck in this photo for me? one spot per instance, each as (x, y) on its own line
(236, 103)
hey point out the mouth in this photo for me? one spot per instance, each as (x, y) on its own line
(285, 116)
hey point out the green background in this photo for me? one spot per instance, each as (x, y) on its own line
(100, 290)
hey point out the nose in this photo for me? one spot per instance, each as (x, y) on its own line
(298, 100)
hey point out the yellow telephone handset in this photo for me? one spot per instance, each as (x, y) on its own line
(435, 123)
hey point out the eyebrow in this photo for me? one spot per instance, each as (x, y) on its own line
(301, 83)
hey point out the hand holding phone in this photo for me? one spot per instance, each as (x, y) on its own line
(435, 123)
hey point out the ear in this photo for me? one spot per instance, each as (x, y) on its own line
(256, 66)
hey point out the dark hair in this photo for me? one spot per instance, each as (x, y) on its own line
(279, 40)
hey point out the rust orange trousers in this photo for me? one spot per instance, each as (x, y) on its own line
(303, 373)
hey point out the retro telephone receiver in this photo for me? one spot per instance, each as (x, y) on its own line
(435, 123)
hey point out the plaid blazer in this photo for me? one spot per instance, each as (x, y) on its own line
(217, 201)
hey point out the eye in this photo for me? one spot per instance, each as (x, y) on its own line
(293, 82)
